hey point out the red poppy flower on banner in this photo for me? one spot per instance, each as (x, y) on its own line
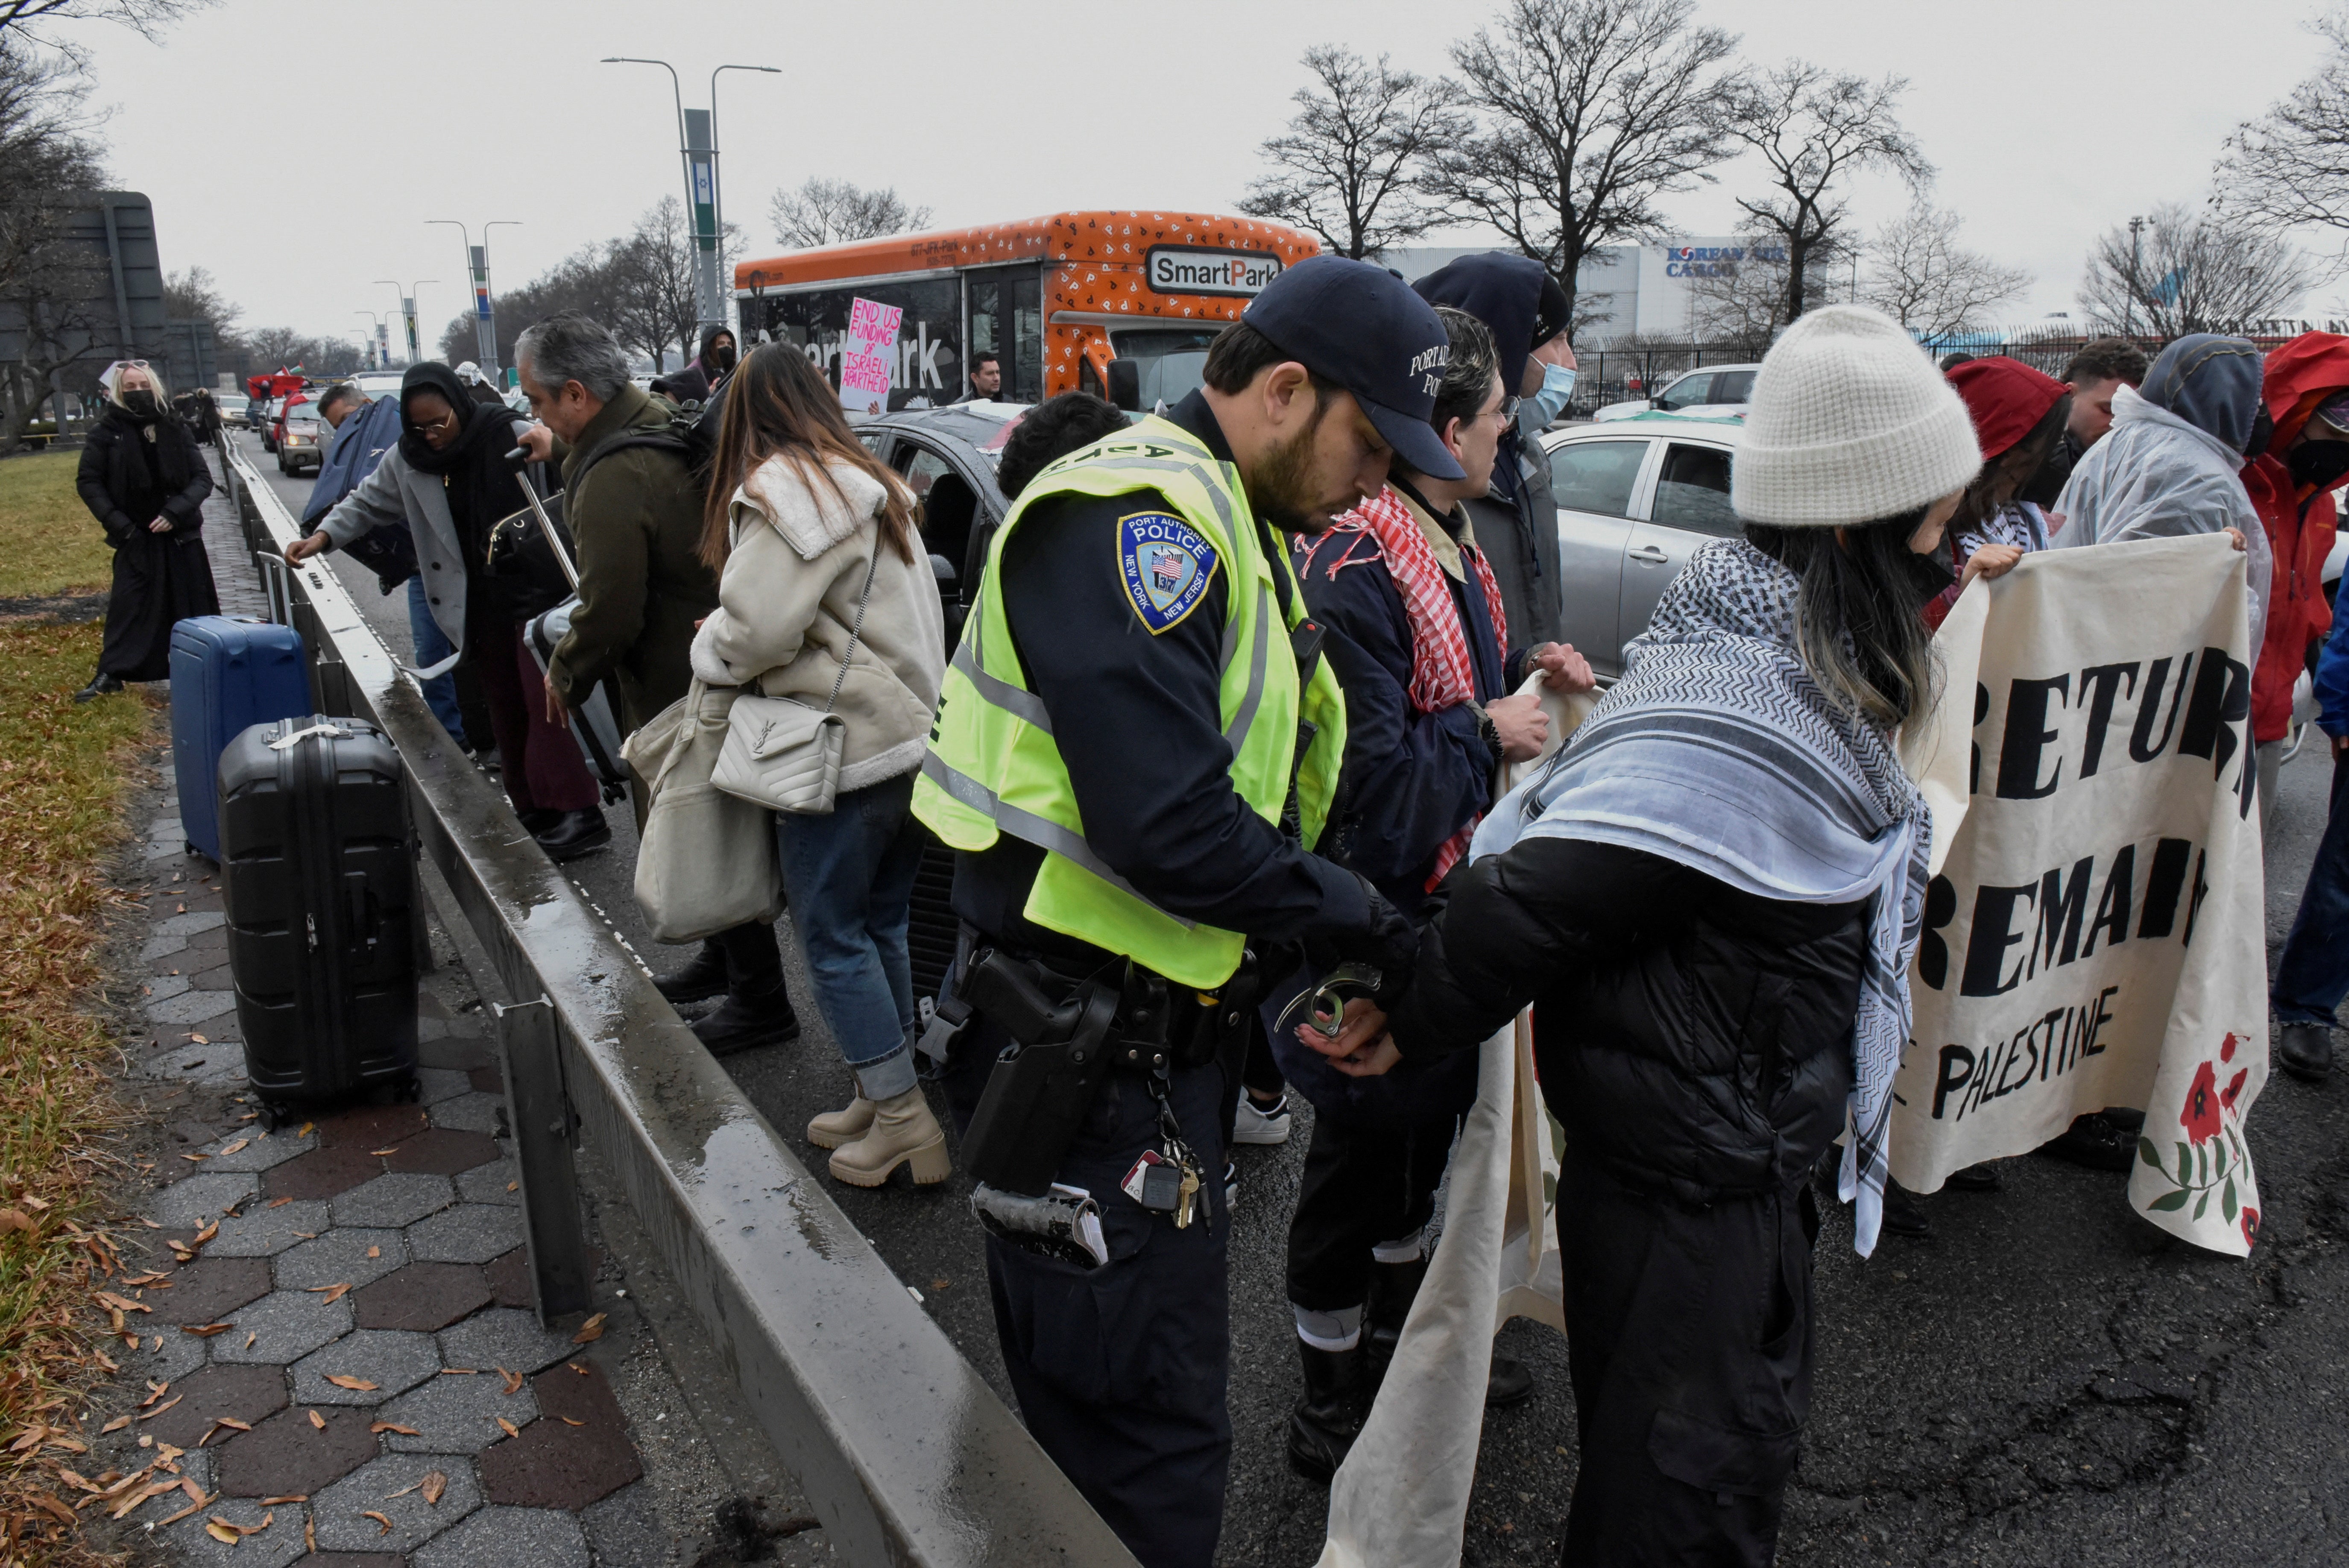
(2251, 1226)
(2234, 1086)
(2200, 1118)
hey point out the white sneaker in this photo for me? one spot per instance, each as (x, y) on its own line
(1257, 1125)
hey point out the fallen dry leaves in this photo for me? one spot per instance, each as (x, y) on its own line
(383, 1519)
(434, 1484)
(394, 1426)
(514, 1380)
(592, 1329)
(317, 1420)
(511, 1430)
(332, 1293)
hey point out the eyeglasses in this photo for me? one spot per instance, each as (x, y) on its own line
(1508, 409)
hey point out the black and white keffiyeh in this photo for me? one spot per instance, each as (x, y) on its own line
(1718, 751)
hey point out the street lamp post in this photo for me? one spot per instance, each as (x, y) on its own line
(697, 151)
(408, 309)
(2135, 225)
(382, 344)
(476, 265)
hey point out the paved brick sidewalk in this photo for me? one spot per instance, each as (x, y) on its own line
(328, 1338)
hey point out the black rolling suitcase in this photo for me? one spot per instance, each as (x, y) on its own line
(319, 874)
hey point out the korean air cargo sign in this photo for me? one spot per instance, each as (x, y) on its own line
(1187, 269)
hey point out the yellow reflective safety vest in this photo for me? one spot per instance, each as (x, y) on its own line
(993, 766)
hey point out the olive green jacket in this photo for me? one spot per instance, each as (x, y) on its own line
(636, 520)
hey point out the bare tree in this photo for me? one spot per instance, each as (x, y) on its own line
(655, 306)
(195, 295)
(2288, 169)
(1592, 110)
(1740, 300)
(49, 170)
(2194, 272)
(145, 17)
(1922, 277)
(278, 348)
(831, 212)
(1812, 128)
(1348, 166)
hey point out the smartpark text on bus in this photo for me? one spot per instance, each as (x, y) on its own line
(1055, 299)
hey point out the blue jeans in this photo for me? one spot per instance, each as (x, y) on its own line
(2314, 975)
(849, 879)
(432, 646)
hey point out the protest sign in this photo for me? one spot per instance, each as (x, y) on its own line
(2095, 929)
(866, 356)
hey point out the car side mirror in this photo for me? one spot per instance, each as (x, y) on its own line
(1125, 384)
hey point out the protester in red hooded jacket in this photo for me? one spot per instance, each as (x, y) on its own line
(2018, 417)
(2306, 389)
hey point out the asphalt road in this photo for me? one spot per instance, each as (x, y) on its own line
(2047, 1379)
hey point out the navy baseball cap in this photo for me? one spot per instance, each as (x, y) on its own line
(1362, 327)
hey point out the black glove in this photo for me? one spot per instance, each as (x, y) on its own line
(1382, 938)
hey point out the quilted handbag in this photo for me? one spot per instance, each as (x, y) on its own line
(783, 755)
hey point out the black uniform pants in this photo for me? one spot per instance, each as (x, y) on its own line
(1363, 1185)
(1120, 1371)
(1689, 1335)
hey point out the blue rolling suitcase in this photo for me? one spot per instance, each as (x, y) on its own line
(228, 674)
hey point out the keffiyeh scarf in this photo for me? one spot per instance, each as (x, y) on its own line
(1719, 751)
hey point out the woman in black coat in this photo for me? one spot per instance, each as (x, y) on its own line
(144, 479)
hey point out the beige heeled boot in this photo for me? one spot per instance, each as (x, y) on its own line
(903, 1131)
(833, 1129)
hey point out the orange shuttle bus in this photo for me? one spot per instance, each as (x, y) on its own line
(1055, 299)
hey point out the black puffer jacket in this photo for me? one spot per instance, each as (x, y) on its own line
(1694, 1040)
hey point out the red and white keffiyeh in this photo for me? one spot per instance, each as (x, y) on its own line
(1442, 674)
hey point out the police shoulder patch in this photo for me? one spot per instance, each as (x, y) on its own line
(1165, 566)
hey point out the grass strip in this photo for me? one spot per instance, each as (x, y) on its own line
(49, 543)
(64, 775)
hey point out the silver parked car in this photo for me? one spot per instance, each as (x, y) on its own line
(1716, 389)
(1635, 498)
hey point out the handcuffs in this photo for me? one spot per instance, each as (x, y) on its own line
(1324, 1006)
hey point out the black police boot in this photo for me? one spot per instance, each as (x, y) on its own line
(750, 1017)
(1983, 1178)
(100, 685)
(574, 834)
(2305, 1051)
(1328, 1419)
(538, 819)
(698, 981)
(1903, 1215)
(1393, 1287)
(2095, 1142)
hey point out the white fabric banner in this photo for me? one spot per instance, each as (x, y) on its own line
(2095, 928)
(1400, 1499)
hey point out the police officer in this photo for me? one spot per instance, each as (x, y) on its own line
(1137, 745)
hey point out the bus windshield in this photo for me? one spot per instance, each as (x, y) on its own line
(1172, 362)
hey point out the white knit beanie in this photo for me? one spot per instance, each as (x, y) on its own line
(1849, 423)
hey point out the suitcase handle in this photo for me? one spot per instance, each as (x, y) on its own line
(362, 924)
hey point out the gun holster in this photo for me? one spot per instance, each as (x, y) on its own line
(1041, 1088)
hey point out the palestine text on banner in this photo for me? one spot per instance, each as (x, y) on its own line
(2095, 932)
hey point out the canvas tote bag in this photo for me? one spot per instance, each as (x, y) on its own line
(707, 862)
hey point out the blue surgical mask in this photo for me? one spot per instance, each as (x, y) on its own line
(1557, 386)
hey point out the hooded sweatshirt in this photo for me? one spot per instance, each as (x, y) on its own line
(2299, 522)
(1516, 520)
(2169, 468)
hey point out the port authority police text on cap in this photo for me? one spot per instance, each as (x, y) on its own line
(1360, 326)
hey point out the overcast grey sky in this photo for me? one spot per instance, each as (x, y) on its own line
(295, 148)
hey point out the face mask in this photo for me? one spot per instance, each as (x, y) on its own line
(142, 404)
(2318, 463)
(1928, 574)
(2045, 485)
(722, 356)
(2262, 432)
(1557, 386)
